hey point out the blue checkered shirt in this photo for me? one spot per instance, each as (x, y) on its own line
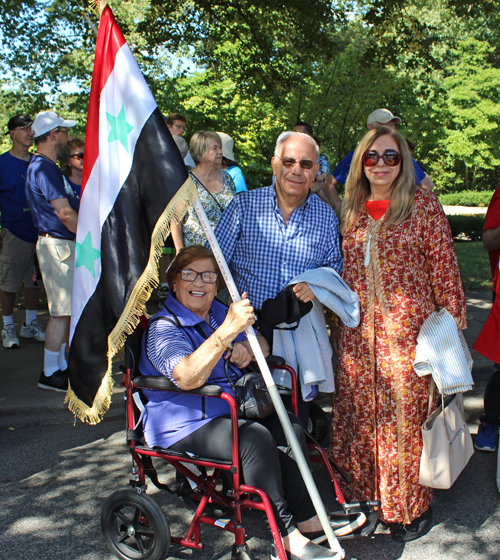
(264, 254)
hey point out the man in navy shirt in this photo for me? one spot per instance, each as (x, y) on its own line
(54, 207)
(18, 236)
(380, 117)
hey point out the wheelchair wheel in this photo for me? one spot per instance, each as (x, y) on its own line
(224, 484)
(134, 527)
(317, 424)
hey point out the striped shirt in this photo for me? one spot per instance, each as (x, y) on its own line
(264, 253)
(167, 345)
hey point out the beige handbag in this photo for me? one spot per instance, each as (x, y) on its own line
(447, 443)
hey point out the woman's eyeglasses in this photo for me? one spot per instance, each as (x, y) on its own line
(79, 155)
(189, 275)
(391, 158)
(290, 162)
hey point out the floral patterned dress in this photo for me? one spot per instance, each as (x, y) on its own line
(192, 232)
(380, 403)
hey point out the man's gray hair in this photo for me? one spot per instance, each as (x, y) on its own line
(286, 135)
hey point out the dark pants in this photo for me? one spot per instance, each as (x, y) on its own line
(492, 399)
(267, 462)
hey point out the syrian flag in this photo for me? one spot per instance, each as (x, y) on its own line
(134, 185)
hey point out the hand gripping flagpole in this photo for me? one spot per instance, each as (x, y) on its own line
(273, 391)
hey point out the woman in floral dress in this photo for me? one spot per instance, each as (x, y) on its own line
(215, 187)
(399, 257)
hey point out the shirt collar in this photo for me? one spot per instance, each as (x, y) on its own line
(186, 317)
(274, 198)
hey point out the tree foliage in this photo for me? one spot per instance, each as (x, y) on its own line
(261, 65)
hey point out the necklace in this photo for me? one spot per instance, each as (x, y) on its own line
(44, 156)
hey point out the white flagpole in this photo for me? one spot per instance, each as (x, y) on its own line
(273, 391)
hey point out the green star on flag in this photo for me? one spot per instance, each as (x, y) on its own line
(120, 128)
(86, 255)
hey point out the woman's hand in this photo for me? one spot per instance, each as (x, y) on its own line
(239, 317)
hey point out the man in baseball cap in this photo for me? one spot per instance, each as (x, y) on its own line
(18, 237)
(46, 121)
(18, 123)
(54, 206)
(382, 117)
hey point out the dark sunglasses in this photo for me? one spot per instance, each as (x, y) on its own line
(79, 155)
(390, 157)
(290, 162)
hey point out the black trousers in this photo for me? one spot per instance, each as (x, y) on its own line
(492, 399)
(266, 459)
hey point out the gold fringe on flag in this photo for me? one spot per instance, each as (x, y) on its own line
(136, 305)
(98, 6)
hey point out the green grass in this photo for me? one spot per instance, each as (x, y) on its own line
(474, 265)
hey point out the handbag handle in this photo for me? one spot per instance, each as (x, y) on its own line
(431, 396)
(443, 408)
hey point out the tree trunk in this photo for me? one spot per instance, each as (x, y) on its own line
(474, 178)
(466, 178)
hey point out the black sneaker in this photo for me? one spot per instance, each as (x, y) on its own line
(58, 381)
(416, 529)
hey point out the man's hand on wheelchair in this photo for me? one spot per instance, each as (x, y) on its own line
(303, 292)
(240, 355)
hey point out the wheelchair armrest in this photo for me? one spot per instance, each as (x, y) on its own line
(164, 384)
(275, 361)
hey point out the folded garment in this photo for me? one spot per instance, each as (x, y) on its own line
(442, 352)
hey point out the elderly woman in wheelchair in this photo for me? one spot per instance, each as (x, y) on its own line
(189, 341)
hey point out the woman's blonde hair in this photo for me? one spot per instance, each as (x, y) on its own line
(358, 190)
(199, 144)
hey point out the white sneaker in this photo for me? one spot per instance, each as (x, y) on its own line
(34, 330)
(9, 337)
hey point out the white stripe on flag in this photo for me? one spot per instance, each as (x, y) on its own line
(125, 97)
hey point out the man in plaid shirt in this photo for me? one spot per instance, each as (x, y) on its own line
(272, 234)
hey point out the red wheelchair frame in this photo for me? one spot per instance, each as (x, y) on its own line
(134, 525)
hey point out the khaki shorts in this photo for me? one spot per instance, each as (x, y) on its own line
(16, 263)
(56, 258)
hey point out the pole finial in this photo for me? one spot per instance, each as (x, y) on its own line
(98, 6)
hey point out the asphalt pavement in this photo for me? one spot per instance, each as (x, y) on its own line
(55, 474)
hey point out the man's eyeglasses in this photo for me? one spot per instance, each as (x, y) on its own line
(391, 158)
(189, 275)
(57, 130)
(290, 162)
(78, 155)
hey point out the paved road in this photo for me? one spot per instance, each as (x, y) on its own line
(55, 474)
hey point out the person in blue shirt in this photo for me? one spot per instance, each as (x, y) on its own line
(380, 117)
(229, 164)
(271, 235)
(54, 206)
(72, 167)
(18, 237)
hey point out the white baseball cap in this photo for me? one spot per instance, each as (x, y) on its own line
(382, 116)
(47, 121)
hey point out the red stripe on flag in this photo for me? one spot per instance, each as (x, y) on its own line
(109, 41)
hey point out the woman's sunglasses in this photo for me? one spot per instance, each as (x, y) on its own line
(391, 158)
(79, 155)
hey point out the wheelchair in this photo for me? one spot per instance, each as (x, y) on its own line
(134, 525)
